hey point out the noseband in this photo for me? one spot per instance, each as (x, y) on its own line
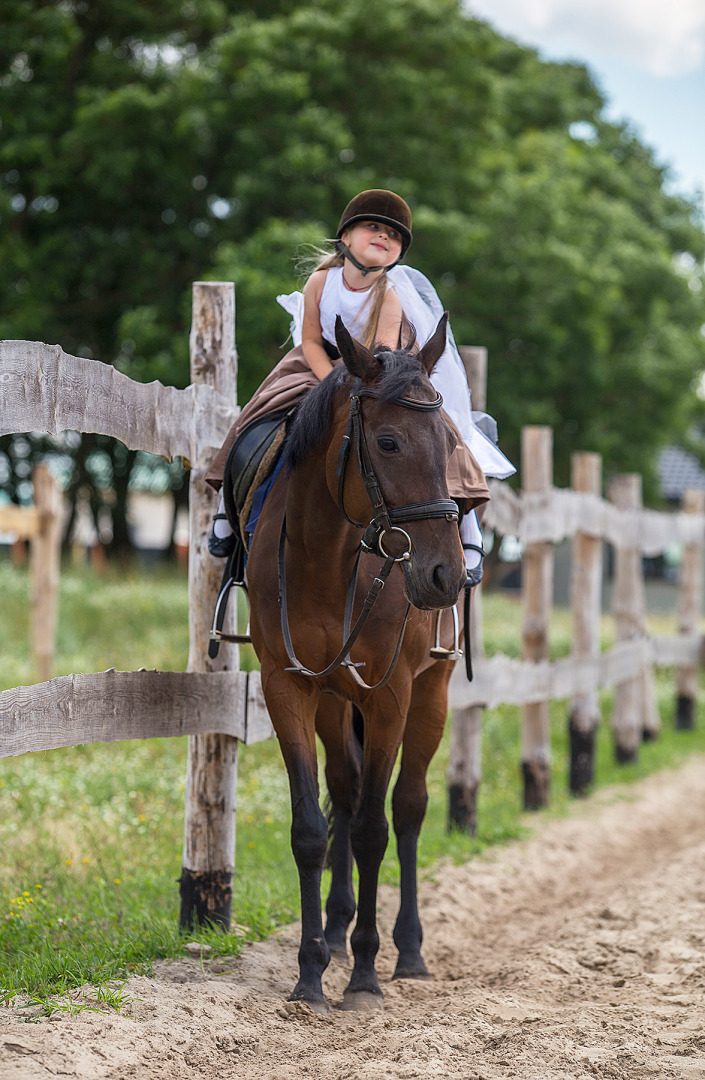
(384, 520)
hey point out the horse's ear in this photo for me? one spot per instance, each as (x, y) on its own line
(358, 360)
(433, 349)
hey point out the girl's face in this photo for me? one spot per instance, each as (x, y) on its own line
(372, 243)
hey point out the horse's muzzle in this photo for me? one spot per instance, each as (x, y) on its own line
(439, 587)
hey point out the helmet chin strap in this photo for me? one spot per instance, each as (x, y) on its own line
(364, 270)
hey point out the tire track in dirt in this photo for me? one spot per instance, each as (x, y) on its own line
(578, 953)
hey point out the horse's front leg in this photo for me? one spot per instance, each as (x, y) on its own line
(368, 835)
(424, 728)
(292, 708)
(334, 724)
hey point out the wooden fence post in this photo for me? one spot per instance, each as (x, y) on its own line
(689, 613)
(635, 716)
(45, 559)
(465, 758)
(586, 583)
(537, 596)
(211, 780)
(474, 359)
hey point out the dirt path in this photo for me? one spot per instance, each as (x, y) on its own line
(579, 953)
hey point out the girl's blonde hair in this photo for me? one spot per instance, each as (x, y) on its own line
(319, 257)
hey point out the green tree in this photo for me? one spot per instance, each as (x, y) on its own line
(585, 298)
(147, 146)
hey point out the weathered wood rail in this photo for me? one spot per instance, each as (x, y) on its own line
(45, 389)
(110, 706)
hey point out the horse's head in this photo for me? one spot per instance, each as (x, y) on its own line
(399, 446)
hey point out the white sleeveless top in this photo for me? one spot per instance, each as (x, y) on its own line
(353, 307)
(423, 309)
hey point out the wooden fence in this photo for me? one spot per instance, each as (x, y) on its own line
(540, 517)
(213, 702)
(41, 525)
(218, 706)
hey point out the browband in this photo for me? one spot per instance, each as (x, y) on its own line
(408, 403)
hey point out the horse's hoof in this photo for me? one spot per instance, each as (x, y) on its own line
(412, 969)
(299, 1007)
(362, 1001)
(420, 976)
(321, 1008)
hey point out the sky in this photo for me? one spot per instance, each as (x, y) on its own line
(647, 57)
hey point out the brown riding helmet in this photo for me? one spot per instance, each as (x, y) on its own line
(379, 205)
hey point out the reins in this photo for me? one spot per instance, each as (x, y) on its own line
(384, 520)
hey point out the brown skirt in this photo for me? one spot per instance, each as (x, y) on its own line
(289, 381)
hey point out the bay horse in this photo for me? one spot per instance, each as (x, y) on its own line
(369, 442)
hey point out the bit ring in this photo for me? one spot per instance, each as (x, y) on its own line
(406, 556)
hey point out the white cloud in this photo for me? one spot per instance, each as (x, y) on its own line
(663, 37)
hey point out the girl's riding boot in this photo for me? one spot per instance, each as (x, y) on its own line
(221, 540)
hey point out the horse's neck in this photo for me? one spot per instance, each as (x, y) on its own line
(315, 524)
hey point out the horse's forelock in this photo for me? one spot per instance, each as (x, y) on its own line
(401, 371)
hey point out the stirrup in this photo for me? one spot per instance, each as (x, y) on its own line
(474, 576)
(233, 577)
(438, 652)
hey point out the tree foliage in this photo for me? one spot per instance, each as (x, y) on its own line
(144, 146)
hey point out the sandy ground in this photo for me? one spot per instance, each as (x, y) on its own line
(578, 953)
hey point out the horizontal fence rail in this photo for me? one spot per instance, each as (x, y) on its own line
(502, 680)
(114, 705)
(111, 706)
(23, 521)
(45, 389)
(558, 514)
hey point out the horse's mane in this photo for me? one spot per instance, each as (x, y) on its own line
(401, 371)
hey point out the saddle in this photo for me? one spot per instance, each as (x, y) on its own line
(252, 460)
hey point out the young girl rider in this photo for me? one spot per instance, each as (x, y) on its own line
(381, 303)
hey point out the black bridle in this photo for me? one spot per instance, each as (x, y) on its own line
(384, 520)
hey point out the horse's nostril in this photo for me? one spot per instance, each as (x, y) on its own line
(440, 577)
(445, 580)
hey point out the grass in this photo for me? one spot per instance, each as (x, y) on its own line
(92, 835)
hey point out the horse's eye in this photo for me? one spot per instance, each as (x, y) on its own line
(388, 446)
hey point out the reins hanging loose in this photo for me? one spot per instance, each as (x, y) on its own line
(384, 521)
(342, 659)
